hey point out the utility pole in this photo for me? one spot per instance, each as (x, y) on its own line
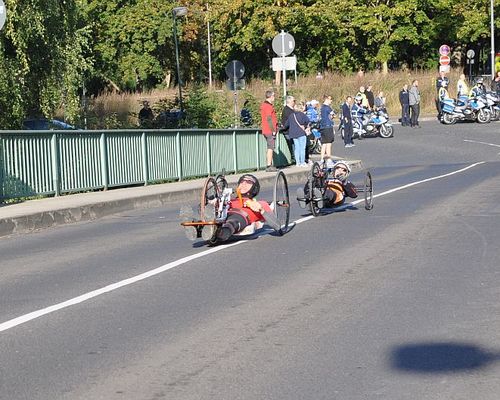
(492, 25)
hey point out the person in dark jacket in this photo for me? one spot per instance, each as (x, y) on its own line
(370, 97)
(245, 114)
(347, 122)
(288, 110)
(439, 84)
(298, 129)
(404, 100)
(495, 84)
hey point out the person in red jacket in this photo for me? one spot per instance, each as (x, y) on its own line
(269, 124)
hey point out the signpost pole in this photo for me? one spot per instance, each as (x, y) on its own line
(283, 54)
(492, 26)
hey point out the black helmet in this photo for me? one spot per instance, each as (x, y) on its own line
(255, 189)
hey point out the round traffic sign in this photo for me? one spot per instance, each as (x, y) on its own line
(3, 14)
(283, 44)
(235, 69)
(444, 50)
(471, 53)
(444, 60)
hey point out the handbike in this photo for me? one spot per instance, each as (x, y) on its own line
(215, 202)
(317, 179)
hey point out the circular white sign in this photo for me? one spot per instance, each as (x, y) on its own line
(3, 14)
(283, 44)
(471, 53)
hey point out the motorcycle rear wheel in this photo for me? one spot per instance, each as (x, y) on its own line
(449, 119)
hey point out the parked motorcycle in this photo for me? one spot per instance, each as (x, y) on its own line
(375, 123)
(493, 103)
(475, 109)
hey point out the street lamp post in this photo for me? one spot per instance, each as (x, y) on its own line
(178, 12)
(492, 26)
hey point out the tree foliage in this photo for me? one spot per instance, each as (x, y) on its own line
(43, 56)
(49, 49)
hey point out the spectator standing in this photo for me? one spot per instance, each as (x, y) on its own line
(462, 87)
(312, 113)
(362, 93)
(298, 128)
(404, 100)
(245, 114)
(414, 102)
(495, 84)
(146, 115)
(370, 97)
(380, 102)
(288, 110)
(347, 122)
(326, 127)
(442, 77)
(269, 125)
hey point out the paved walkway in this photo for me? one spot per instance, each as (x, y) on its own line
(32, 215)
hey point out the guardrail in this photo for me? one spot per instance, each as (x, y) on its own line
(59, 162)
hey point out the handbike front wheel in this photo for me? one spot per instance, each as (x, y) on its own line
(209, 195)
(281, 201)
(221, 182)
(368, 191)
(314, 182)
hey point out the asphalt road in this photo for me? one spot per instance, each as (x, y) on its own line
(401, 302)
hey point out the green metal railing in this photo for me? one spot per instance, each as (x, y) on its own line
(55, 162)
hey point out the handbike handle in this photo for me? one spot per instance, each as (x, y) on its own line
(200, 223)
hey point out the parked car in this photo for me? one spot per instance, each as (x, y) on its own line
(43, 124)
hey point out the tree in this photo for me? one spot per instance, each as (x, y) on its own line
(42, 60)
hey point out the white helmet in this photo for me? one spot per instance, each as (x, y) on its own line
(358, 98)
(346, 166)
(329, 164)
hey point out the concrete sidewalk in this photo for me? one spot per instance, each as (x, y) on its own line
(32, 215)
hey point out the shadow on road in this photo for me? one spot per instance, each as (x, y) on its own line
(441, 357)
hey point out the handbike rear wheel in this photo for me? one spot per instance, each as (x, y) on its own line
(368, 191)
(281, 201)
(314, 182)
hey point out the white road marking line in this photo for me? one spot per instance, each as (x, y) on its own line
(87, 296)
(486, 143)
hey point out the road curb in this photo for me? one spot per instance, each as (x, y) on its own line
(69, 209)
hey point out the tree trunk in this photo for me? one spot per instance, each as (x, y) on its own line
(385, 68)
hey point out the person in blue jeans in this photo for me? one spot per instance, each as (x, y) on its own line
(297, 125)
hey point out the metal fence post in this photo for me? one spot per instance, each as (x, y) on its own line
(235, 153)
(178, 154)
(209, 153)
(104, 162)
(56, 170)
(257, 150)
(145, 160)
